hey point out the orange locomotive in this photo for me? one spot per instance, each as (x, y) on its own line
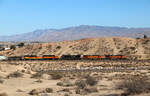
(69, 57)
(44, 57)
(93, 57)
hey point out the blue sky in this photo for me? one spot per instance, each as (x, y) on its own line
(21, 16)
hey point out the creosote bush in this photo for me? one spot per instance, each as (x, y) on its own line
(86, 85)
(65, 83)
(39, 81)
(56, 75)
(135, 85)
(37, 75)
(81, 84)
(39, 91)
(21, 44)
(15, 74)
(91, 81)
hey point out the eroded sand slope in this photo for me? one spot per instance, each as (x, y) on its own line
(91, 46)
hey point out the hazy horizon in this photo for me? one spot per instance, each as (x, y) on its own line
(73, 26)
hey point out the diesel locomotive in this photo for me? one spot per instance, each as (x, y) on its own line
(69, 57)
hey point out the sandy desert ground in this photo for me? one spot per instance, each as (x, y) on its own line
(33, 78)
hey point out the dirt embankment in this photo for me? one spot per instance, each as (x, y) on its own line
(91, 46)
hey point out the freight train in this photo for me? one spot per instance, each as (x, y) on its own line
(69, 57)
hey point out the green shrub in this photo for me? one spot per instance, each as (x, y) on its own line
(13, 47)
(21, 44)
(58, 47)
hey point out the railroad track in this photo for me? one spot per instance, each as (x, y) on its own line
(97, 69)
(77, 61)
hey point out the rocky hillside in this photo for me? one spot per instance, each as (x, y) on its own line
(78, 32)
(91, 46)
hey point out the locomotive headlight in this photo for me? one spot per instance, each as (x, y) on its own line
(3, 58)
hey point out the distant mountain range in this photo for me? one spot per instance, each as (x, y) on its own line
(78, 32)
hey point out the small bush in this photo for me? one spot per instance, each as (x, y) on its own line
(137, 38)
(81, 92)
(135, 85)
(39, 81)
(66, 94)
(13, 47)
(58, 47)
(34, 92)
(3, 94)
(81, 84)
(15, 74)
(37, 75)
(48, 90)
(1, 81)
(86, 90)
(65, 83)
(56, 75)
(66, 90)
(39, 91)
(19, 90)
(60, 84)
(21, 44)
(77, 91)
(91, 89)
(91, 81)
